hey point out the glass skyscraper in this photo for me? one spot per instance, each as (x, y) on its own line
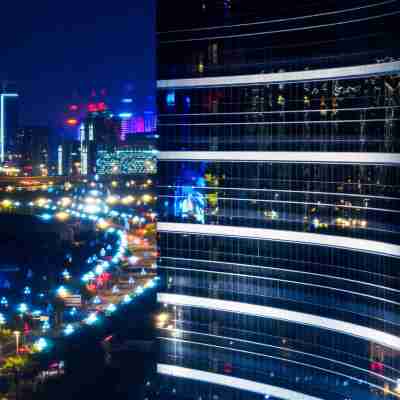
(279, 199)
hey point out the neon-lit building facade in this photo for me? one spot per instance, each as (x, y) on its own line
(150, 121)
(132, 124)
(127, 125)
(126, 161)
(279, 203)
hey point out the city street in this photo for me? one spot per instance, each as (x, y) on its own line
(121, 267)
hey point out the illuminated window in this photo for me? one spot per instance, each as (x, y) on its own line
(170, 99)
(213, 53)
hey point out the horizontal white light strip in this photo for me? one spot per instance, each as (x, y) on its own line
(341, 242)
(279, 77)
(230, 381)
(262, 278)
(385, 339)
(177, 332)
(305, 157)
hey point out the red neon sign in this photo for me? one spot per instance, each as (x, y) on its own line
(92, 107)
(101, 106)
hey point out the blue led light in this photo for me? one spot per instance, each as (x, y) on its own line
(111, 308)
(125, 115)
(150, 284)
(61, 291)
(73, 311)
(187, 103)
(68, 330)
(127, 299)
(92, 318)
(170, 98)
(45, 326)
(22, 308)
(99, 268)
(66, 274)
(41, 344)
(139, 290)
(46, 217)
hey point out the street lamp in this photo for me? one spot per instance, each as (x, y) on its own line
(397, 387)
(17, 334)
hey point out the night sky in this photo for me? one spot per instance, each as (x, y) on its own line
(53, 49)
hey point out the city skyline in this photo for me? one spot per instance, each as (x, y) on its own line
(57, 51)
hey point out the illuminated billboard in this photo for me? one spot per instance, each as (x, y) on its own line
(126, 162)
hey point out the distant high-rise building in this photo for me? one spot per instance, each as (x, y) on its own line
(133, 124)
(279, 172)
(149, 121)
(127, 125)
(100, 130)
(8, 122)
(69, 158)
(33, 148)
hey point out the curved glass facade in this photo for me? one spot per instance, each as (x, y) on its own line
(279, 200)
